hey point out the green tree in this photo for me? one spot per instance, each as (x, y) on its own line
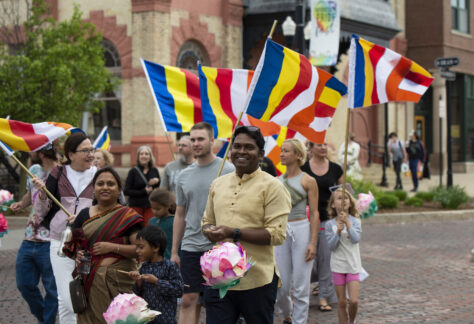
(53, 70)
(49, 70)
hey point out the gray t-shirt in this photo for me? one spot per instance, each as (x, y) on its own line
(170, 174)
(192, 190)
(397, 150)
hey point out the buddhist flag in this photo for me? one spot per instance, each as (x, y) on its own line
(20, 136)
(103, 140)
(223, 93)
(378, 75)
(176, 95)
(287, 90)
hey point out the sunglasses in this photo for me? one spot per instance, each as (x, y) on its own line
(349, 188)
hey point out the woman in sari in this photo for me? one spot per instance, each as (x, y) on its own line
(107, 231)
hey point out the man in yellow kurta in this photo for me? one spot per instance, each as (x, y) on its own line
(252, 207)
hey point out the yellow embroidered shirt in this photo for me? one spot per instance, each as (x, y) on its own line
(255, 201)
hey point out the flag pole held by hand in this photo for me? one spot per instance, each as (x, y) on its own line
(240, 115)
(46, 191)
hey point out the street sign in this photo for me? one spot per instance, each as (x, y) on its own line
(446, 62)
(448, 75)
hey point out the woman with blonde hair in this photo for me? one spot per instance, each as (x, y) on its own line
(294, 258)
(103, 158)
(141, 181)
(327, 175)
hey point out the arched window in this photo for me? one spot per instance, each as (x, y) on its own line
(190, 53)
(111, 114)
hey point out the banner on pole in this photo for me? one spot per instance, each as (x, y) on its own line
(325, 29)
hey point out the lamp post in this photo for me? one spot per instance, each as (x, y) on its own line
(307, 37)
(296, 30)
(299, 19)
(289, 30)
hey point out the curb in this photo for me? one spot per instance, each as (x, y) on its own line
(412, 217)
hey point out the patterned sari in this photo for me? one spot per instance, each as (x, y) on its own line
(103, 283)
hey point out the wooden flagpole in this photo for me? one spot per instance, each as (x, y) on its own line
(348, 116)
(46, 191)
(240, 115)
(169, 145)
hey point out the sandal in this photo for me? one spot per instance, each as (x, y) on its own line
(315, 291)
(325, 308)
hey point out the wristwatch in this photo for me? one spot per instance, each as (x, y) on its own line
(236, 235)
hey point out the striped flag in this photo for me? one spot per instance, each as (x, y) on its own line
(103, 140)
(176, 95)
(20, 136)
(223, 93)
(378, 75)
(289, 91)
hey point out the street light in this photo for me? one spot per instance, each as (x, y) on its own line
(307, 36)
(289, 30)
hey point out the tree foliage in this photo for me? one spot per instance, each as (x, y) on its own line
(55, 72)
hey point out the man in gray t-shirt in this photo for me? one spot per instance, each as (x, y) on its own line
(396, 147)
(174, 168)
(192, 190)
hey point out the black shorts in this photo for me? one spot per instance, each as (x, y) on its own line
(191, 271)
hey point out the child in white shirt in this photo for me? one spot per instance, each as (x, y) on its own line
(343, 234)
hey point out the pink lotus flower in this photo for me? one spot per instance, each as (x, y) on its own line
(3, 225)
(363, 202)
(6, 199)
(128, 309)
(224, 265)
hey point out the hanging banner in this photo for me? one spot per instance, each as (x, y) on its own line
(325, 28)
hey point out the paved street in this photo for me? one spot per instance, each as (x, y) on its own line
(419, 272)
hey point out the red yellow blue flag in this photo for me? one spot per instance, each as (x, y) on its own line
(176, 94)
(378, 75)
(287, 90)
(19, 136)
(103, 140)
(223, 93)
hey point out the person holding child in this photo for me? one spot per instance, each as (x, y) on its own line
(158, 281)
(163, 205)
(343, 233)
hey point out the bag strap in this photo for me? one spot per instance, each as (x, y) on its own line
(142, 175)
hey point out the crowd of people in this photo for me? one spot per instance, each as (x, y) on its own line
(297, 228)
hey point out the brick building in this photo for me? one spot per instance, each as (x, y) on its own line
(445, 30)
(172, 32)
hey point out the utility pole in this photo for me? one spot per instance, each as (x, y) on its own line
(299, 20)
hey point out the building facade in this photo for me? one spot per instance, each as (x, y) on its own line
(445, 30)
(378, 21)
(169, 32)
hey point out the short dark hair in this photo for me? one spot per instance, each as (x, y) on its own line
(253, 132)
(49, 152)
(155, 236)
(206, 126)
(392, 134)
(165, 198)
(71, 144)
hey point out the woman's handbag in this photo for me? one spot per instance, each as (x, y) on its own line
(78, 296)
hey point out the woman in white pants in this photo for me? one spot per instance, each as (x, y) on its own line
(71, 183)
(294, 258)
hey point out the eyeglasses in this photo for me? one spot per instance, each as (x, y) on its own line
(86, 151)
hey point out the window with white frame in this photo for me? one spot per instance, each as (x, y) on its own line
(460, 15)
